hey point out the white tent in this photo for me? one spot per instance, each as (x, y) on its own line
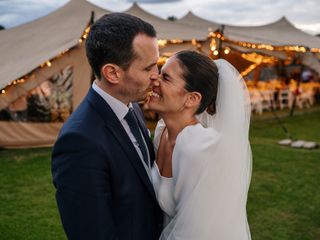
(263, 39)
(24, 49)
(48, 51)
(36, 54)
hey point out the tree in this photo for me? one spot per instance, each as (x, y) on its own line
(172, 18)
(2, 27)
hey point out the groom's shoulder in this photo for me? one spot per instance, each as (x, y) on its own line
(83, 120)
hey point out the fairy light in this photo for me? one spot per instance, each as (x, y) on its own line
(315, 50)
(268, 47)
(249, 69)
(45, 64)
(162, 60)
(258, 58)
(162, 42)
(213, 45)
(227, 50)
(176, 41)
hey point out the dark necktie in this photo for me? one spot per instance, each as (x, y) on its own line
(134, 126)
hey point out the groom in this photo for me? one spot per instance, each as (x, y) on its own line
(101, 160)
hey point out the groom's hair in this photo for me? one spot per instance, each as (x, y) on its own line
(201, 75)
(110, 40)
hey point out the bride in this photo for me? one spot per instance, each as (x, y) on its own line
(202, 171)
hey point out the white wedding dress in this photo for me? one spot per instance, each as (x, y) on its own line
(211, 166)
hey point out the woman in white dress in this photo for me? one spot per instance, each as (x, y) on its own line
(202, 170)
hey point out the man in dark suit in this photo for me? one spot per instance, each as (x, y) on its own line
(101, 160)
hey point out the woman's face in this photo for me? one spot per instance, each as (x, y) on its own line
(168, 92)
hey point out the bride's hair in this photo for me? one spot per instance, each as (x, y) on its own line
(201, 75)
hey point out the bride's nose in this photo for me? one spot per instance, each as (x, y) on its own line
(156, 82)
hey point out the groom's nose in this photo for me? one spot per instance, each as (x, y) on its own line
(155, 74)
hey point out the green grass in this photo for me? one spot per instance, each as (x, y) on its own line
(284, 198)
(27, 203)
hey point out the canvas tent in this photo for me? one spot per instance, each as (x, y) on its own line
(45, 63)
(176, 35)
(277, 34)
(46, 66)
(23, 50)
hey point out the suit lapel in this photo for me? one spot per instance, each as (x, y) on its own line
(115, 127)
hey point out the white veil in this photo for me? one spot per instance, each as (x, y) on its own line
(216, 208)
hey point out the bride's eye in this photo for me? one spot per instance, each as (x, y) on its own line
(165, 77)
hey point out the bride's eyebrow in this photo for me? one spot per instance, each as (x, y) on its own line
(166, 75)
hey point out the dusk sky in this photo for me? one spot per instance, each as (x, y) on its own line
(303, 14)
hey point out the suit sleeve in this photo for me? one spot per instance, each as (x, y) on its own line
(81, 176)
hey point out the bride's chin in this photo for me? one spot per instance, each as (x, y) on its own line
(153, 106)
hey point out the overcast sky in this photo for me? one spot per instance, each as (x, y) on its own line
(304, 14)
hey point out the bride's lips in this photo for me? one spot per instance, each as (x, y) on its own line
(155, 93)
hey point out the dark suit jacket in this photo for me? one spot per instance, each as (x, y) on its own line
(103, 190)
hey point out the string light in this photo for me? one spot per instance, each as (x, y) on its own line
(315, 50)
(227, 50)
(269, 47)
(176, 41)
(249, 69)
(258, 58)
(46, 63)
(162, 43)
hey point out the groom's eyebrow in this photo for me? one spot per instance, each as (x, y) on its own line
(151, 65)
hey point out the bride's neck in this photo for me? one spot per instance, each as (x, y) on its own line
(175, 124)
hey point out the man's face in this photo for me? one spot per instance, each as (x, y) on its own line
(137, 79)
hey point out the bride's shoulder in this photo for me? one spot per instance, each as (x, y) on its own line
(196, 138)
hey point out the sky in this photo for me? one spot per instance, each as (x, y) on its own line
(304, 14)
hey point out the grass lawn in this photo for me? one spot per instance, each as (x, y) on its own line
(284, 198)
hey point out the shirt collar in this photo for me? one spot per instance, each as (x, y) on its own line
(118, 107)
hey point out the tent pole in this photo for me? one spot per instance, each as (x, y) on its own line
(286, 131)
(297, 90)
(219, 42)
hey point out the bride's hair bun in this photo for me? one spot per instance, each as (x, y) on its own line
(211, 109)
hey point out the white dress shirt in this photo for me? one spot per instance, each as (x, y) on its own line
(121, 110)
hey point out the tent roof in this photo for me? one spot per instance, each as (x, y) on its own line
(202, 24)
(168, 29)
(279, 33)
(25, 47)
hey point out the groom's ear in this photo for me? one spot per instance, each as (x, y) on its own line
(111, 73)
(193, 100)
